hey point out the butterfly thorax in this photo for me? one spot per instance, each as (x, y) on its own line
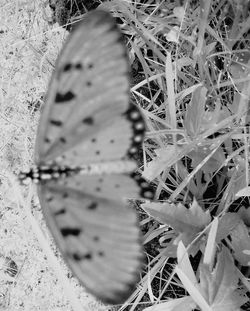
(54, 171)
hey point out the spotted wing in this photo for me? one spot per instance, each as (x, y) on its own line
(87, 116)
(97, 234)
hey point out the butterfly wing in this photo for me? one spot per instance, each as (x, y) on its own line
(88, 92)
(98, 236)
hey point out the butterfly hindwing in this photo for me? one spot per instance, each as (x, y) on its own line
(98, 237)
(106, 186)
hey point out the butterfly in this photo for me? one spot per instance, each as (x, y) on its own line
(87, 136)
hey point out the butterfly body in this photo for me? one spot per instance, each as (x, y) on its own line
(54, 171)
(87, 137)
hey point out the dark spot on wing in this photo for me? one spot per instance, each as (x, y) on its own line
(62, 140)
(88, 121)
(65, 195)
(61, 98)
(111, 141)
(79, 257)
(49, 199)
(88, 83)
(78, 66)
(87, 256)
(93, 140)
(92, 206)
(97, 189)
(97, 152)
(56, 122)
(70, 231)
(47, 140)
(96, 238)
(76, 256)
(90, 66)
(117, 186)
(60, 212)
(100, 253)
(67, 67)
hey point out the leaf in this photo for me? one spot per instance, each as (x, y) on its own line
(184, 263)
(195, 112)
(209, 253)
(180, 304)
(226, 224)
(213, 164)
(177, 216)
(213, 116)
(165, 157)
(186, 222)
(220, 287)
(241, 244)
(192, 289)
(244, 214)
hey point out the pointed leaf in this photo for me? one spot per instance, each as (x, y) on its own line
(178, 216)
(220, 288)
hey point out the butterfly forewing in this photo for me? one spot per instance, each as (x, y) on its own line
(87, 119)
(88, 89)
